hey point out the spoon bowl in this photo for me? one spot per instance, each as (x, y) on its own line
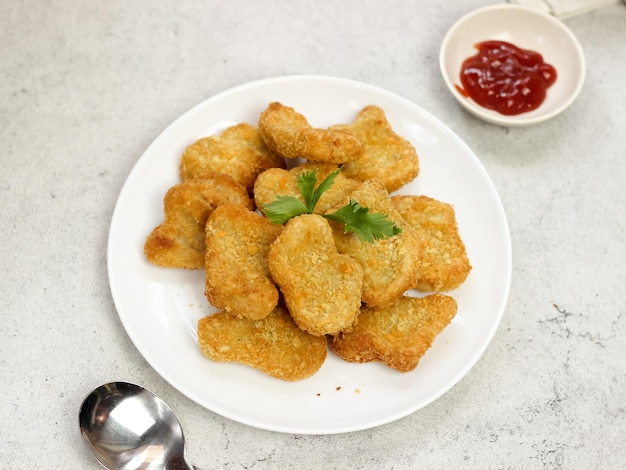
(127, 427)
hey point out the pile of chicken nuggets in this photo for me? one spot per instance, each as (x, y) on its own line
(284, 293)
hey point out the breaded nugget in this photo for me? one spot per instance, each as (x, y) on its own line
(289, 134)
(237, 278)
(386, 157)
(321, 288)
(179, 242)
(390, 265)
(398, 335)
(274, 345)
(275, 182)
(444, 263)
(238, 151)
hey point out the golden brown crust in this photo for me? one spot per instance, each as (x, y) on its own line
(237, 278)
(239, 151)
(289, 134)
(387, 156)
(275, 182)
(390, 265)
(398, 335)
(322, 288)
(179, 242)
(274, 345)
(444, 264)
(282, 289)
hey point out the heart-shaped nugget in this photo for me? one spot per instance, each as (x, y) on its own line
(444, 263)
(390, 265)
(274, 345)
(237, 278)
(179, 242)
(398, 335)
(387, 156)
(322, 288)
(289, 134)
(239, 151)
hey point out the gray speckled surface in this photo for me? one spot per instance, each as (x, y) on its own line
(85, 87)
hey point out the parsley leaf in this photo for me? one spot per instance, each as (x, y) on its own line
(356, 218)
(286, 207)
(283, 209)
(368, 227)
(321, 189)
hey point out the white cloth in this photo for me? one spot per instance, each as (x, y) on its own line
(566, 8)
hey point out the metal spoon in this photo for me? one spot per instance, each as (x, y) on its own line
(127, 427)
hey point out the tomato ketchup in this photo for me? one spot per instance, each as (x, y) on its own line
(505, 78)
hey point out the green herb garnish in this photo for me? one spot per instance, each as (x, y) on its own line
(368, 227)
(356, 218)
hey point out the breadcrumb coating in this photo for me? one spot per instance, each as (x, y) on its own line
(274, 345)
(179, 242)
(322, 288)
(289, 134)
(239, 151)
(398, 335)
(276, 181)
(387, 156)
(237, 278)
(283, 290)
(444, 263)
(390, 265)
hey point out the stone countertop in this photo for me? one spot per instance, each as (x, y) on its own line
(86, 86)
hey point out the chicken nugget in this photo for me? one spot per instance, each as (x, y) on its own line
(321, 288)
(444, 264)
(274, 345)
(237, 278)
(278, 182)
(387, 156)
(398, 335)
(239, 151)
(179, 242)
(390, 265)
(289, 134)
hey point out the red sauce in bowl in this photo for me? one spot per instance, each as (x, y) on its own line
(505, 78)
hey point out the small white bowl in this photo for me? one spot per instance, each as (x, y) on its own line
(527, 29)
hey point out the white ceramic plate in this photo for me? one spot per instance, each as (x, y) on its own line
(160, 307)
(526, 28)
